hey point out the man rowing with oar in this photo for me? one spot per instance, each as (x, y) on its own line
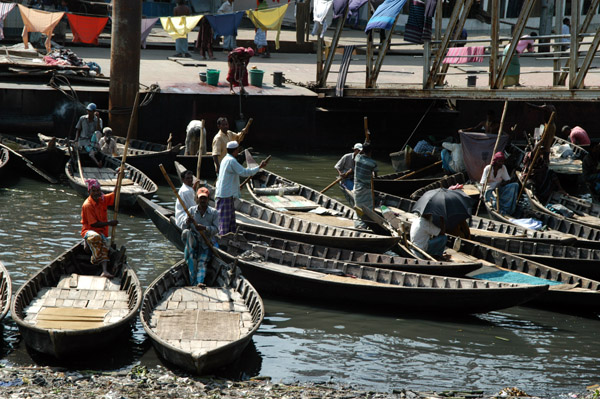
(197, 253)
(94, 221)
(345, 166)
(228, 186)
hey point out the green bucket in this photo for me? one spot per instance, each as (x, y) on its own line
(256, 77)
(212, 77)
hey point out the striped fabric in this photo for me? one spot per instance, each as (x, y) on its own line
(5, 8)
(413, 32)
(346, 58)
(385, 15)
(226, 210)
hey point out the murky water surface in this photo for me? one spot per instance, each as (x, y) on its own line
(540, 352)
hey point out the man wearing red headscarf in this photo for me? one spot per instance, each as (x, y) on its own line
(495, 176)
(94, 224)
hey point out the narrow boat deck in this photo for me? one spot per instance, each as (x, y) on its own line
(201, 319)
(78, 302)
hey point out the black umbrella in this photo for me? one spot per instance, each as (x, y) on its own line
(453, 205)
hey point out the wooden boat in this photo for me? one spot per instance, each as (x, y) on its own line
(5, 174)
(571, 293)
(256, 219)
(328, 282)
(201, 329)
(398, 211)
(5, 291)
(47, 157)
(583, 262)
(449, 181)
(382, 261)
(404, 187)
(567, 166)
(15, 164)
(67, 309)
(134, 183)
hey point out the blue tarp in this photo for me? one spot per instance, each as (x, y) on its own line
(225, 24)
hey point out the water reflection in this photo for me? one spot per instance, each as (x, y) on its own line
(541, 352)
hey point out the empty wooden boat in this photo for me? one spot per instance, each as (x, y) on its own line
(15, 164)
(134, 182)
(200, 329)
(5, 291)
(146, 156)
(583, 262)
(68, 309)
(328, 282)
(568, 292)
(47, 157)
(382, 261)
(256, 219)
(5, 174)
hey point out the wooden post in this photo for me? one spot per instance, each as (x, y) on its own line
(495, 33)
(574, 50)
(334, 43)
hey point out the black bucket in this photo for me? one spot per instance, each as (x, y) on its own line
(278, 79)
(471, 80)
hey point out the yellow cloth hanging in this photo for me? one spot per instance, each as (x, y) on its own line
(179, 27)
(269, 19)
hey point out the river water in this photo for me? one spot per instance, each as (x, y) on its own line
(541, 352)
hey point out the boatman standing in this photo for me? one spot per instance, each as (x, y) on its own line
(94, 222)
(224, 136)
(345, 166)
(228, 186)
(365, 170)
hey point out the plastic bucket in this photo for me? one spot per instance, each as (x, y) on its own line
(202, 76)
(212, 77)
(278, 79)
(256, 77)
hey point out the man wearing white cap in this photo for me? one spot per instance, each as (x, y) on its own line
(228, 186)
(345, 166)
(86, 129)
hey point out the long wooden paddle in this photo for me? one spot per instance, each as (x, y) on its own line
(245, 130)
(132, 119)
(187, 212)
(267, 159)
(367, 133)
(200, 150)
(482, 194)
(418, 171)
(76, 151)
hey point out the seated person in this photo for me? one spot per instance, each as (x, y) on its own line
(429, 237)
(542, 180)
(495, 176)
(452, 157)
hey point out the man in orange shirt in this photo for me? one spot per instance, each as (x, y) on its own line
(94, 221)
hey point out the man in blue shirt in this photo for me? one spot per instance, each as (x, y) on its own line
(228, 186)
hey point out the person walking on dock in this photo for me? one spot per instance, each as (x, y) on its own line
(228, 186)
(94, 222)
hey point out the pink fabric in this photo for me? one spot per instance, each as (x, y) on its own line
(5, 8)
(86, 29)
(456, 187)
(147, 24)
(523, 44)
(462, 55)
(53, 61)
(499, 156)
(477, 151)
(579, 136)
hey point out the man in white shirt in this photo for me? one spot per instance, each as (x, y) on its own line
(495, 176)
(187, 195)
(228, 187)
(429, 237)
(452, 157)
(345, 166)
(108, 144)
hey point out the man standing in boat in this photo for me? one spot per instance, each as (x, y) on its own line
(197, 253)
(94, 221)
(186, 193)
(86, 135)
(228, 186)
(224, 136)
(345, 166)
(364, 172)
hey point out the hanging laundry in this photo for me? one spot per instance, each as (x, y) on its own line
(463, 55)
(269, 18)
(339, 7)
(179, 27)
(225, 24)
(385, 15)
(86, 29)
(5, 8)
(321, 15)
(39, 21)
(147, 24)
(413, 32)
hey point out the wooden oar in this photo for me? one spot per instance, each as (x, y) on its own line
(76, 151)
(267, 159)
(187, 212)
(333, 183)
(200, 151)
(418, 171)
(482, 194)
(245, 131)
(132, 119)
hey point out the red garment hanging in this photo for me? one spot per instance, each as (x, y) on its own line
(86, 29)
